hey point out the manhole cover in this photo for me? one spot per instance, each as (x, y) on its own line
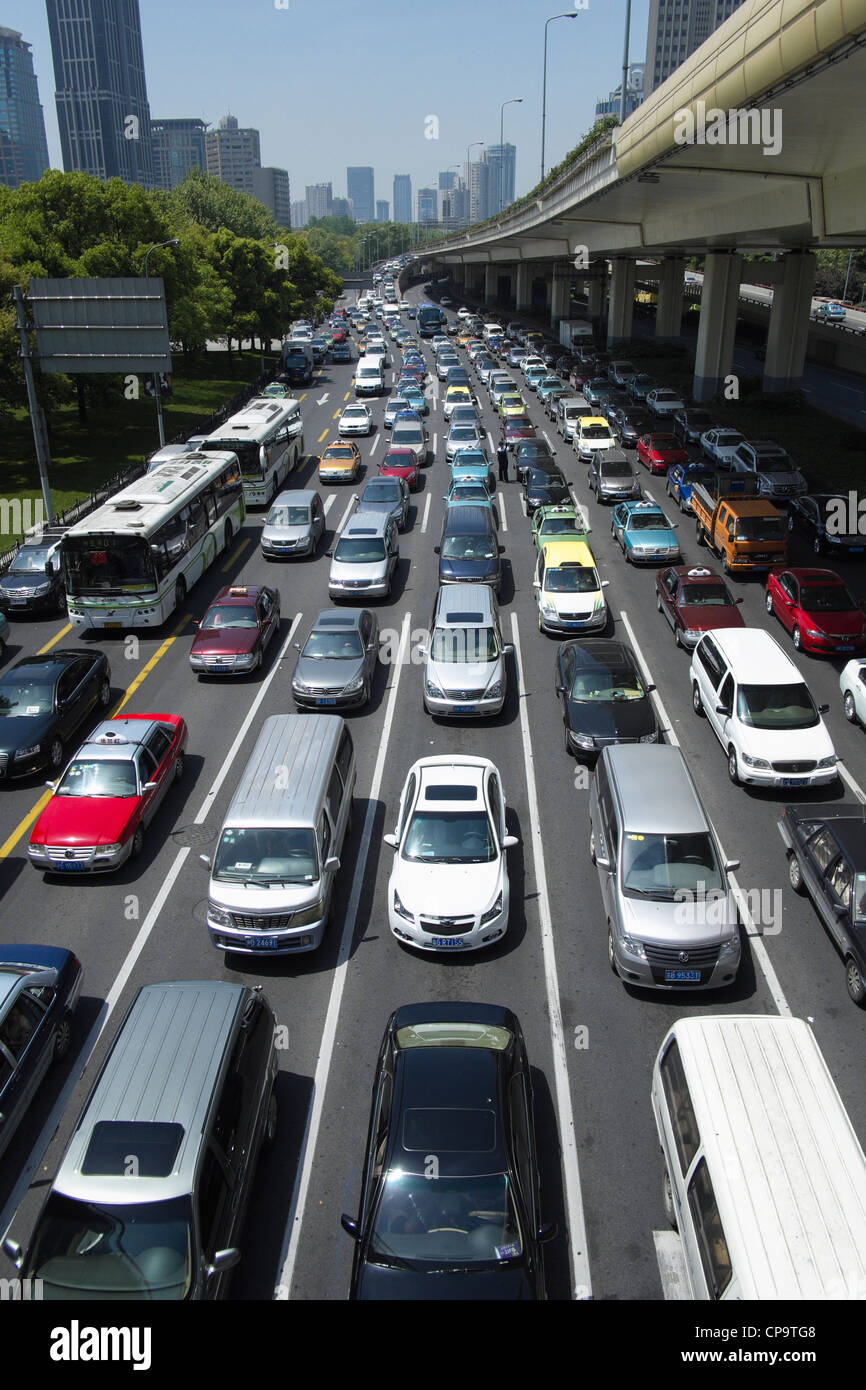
(193, 836)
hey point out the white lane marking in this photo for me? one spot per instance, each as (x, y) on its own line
(291, 1238)
(329, 502)
(672, 1265)
(426, 516)
(490, 438)
(759, 950)
(435, 437)
(51, 1124)
(374, 446)
(567, 1137)
(547, 437)
(348, 512)
(846, 777)
(500, 497)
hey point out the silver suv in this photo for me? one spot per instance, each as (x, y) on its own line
(294, 525)
(364, 557)
(466, 671)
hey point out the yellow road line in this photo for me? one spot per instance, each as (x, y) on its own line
(302, 398)
(56, 638)
(234, 555)
(336, 414)
(346, 397)
(24, 825)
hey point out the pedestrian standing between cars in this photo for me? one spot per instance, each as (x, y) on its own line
(502, 457)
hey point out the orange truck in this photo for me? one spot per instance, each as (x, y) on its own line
(745, 530)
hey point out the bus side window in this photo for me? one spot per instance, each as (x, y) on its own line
(197, 520)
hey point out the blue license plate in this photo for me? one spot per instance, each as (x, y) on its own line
(855, 550)
(448, 941)
(683, 976)
(17, 602)
(66, 865)
(792, 782)
(327, 700)
(848, 648)
(262, 943)
(468, 709)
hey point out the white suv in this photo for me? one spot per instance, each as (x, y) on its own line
(761, 711)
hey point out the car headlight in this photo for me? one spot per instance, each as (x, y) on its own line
(308, 915)
(491, 912)
(730, 948)
(433, 689)
(42, 589)
(302, 688)
(693, 634)
(245, 661)
(547, 606)
(582, 740)
(37, 851)
(400, 910)
(827, 762)
(218, 915)
(108, 850)
(27, 752)
(354, 686)
(754, 762)
(816, 632)
(633, 947)
(494, 691)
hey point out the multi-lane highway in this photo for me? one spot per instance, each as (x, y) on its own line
(591, 1040)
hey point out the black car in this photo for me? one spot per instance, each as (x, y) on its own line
(43, 701)
(810, 515)
(603, 695)
(33, 582)
(629, 425)
(544, 487)
(826, 845)
(532, 453)
(616, 402)
(549, 354)
(689, 425)
(450, 1192)
(39, 989)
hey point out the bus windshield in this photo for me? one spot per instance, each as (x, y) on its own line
(247, 451)
(107, 564)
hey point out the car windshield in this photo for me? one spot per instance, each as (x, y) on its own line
(727, 439)
(470, 492)
(407, 434)
(571, 579)
(464, 644)
(272, 854)
(560, 526)
(615, 468)
(381, 492)
(25, 699)
(356, 550)
(760, 528)
(827, 598)
(397, 403)
(705, 596)
(337, 456)
(29, 560)
(658, 866)
(462, 432)
(140, 1251)
(595, 432)
(469, 547)
(775, 463)
(333, 646)
(287, 516)
(350, 413)
(665, 441)
(607, 685)
(777, 706)
(453, 1221)
(653, 521)
(230, 615)
(102, 777)
(450, 837)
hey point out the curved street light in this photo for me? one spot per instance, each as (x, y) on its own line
(568, 14)
(510, 102)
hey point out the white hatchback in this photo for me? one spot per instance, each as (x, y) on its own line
(448, 888)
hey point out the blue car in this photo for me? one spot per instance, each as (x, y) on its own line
(681, 479)
(468, 492)
(471, 465)
(414, 397)
(645, 535)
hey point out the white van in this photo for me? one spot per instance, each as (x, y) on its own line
(493, 330)
(764, 1176)
(369, 376)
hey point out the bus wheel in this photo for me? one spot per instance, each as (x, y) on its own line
(229, 534)
(180, 593)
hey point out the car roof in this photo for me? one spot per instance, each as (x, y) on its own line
(753, 649)
(464, 605)
(696, 574)
(128, 732)
(558, 553)
(655, 789)
(602, 651)
(298, 497)
(365, 524)
(588, 420)
(431, 1081)
(338, 620)
(807, 575)
(238, 594)
(35, 667)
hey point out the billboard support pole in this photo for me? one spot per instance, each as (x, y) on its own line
(37, 419)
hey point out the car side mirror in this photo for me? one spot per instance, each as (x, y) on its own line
(14, 1251)
(501, 549)
(350, 1227)
(823, 709)
(731, 865)
(150, 786)
(329, 554)
(51, 785)
(332, 864)
(206, 859)
(222, 1260)
(725, 709)
(391, 840)
(603, 864)
(508, 649)
(738, 600)
(604, 583)
(649, 687)
(436, 550)
(297, 646)
(509, 841)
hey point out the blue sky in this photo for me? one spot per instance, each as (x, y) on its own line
(331, 83)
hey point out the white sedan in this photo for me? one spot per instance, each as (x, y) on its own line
(852, 683)
(356, 419)
(448, 888)
(664, 402)
(720, 445)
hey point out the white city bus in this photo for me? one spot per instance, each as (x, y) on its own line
(268, 438)
(132, 561)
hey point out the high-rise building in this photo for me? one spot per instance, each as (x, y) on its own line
(359, 187)
(675, 29)
(100, 88)
(320, 199)
(479, 190)
(402, 198)
(447, 179)
(300, 215)
(341, 208)
(427, 200)
(23, 147)
(178, 146)
(501, 161)
(453, 207)
(610, 106)
(271, 187)
(232, 152)
(382, 206)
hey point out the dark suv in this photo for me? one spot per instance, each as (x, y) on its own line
(33, 583)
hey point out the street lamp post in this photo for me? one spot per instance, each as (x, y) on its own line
(623, 94)
(568, 14)
(175, 241)
(511, 102)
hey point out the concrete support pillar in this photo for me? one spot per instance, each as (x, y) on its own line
(669, 313)
(458, 273)
(621, 300)
(560, 298)
(474, 282)
(719, 301)
(523, 292)
(594, 297)
(789, 323)
(491, 283)
(548, 288)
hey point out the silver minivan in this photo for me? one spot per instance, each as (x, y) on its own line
(465, 671)
(672, 922)
(294, 525)
(364, 557)
(273, 872)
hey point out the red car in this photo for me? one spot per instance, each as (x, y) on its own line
(818, 609)
(108, 795)
(695, 600)
(658, 451)
(518, 427)
(338, 334)
(235, 630)
(401, 463)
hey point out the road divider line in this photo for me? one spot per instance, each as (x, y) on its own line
(235, 555)
(146, 670)
(56, 638)
(567, 1137)
(329, 502)
(374, 446)
(322, 436)
(306, 1158)
(500, 497)
(426, 516)
(754, 934)
(348, 512)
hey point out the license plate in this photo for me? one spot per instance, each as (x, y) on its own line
(855, 550)
(448, 941)
(66, 865)
(848, 648)
(680, 976)
(468, 709)
(17, 602)
(261, 943)
(112, 624)
(792, 782)
(327, 700)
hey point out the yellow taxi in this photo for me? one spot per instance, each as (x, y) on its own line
(511, 403)
(340, 462)
(568, 589)
(456, 395)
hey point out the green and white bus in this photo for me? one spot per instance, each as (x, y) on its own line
(132, 561)
(268, 438)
